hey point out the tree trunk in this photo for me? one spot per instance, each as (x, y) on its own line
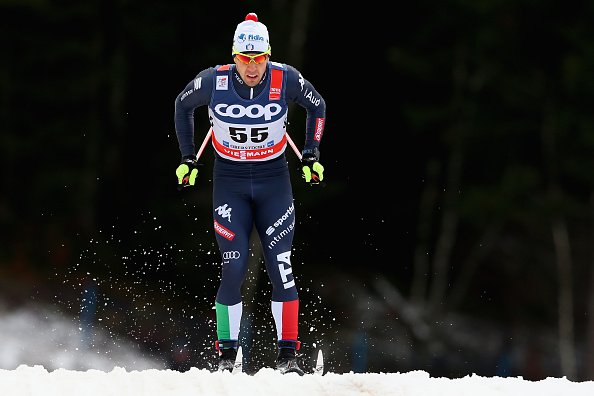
(448, 230)
(298, 36)
(426, 214)
(482, 248)
(562, 247)
(589, 372)
(565, 298)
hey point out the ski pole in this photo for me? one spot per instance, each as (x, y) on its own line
(204, 144)
(295, 149)
(187, 177)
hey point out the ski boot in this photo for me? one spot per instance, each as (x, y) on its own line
(227, 354)
(286, 362)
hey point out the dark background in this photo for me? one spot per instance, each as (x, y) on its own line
(454, 233)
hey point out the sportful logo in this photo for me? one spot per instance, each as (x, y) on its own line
(223, 231)
(253, 111)
(224, 212)
(281, 220)
(281, 235)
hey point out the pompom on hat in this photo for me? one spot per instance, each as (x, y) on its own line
(251, 36)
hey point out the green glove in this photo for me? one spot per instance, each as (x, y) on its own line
(313, 171)
(187, 171)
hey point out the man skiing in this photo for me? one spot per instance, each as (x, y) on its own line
(247, 106)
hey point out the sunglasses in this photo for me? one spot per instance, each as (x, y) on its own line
(247, 59)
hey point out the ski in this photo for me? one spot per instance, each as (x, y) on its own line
(238, 365)
(319, 368)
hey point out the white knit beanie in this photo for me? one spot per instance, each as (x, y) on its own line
(251, 36)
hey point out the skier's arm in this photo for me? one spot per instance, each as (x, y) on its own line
(197, 93)
(302, 92)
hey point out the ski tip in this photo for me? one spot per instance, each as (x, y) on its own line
(319, 370)
(238, 365)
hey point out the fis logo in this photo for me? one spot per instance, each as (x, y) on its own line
(222, 83)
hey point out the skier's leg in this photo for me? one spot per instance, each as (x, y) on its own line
(233, 222)
(274, 215)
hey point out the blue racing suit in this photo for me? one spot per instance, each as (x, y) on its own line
(251, 184)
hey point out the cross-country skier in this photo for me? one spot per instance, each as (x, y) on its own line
(247, 106)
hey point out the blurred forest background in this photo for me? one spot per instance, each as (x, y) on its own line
(455, 232)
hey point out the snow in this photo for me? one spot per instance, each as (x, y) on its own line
(42, 354)
(26, 380)
(37, 336)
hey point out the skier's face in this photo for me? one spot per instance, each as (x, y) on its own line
(251, 73)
